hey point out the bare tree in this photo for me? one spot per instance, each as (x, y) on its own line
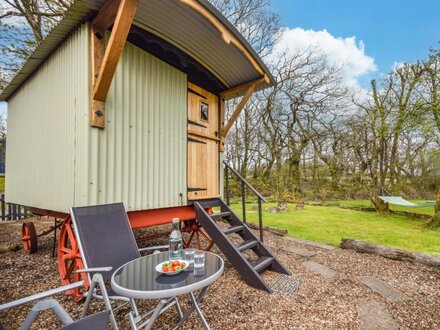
(254, 20)
(23, 25)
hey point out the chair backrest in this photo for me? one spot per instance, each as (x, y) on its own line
(98, 321)
(104, 236)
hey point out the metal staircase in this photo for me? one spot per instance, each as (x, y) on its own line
(249, 269)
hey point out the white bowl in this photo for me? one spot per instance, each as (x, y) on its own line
(159, 267)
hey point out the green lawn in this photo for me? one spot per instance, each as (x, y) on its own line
(366, 203)
(2, 183)
(330, 224)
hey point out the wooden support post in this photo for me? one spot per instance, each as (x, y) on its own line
(107, 14)
(241, 90)
(250, 90)
(221, 100)
(97, 115)
(104, 62)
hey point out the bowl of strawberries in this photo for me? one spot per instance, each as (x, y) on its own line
(172, 267)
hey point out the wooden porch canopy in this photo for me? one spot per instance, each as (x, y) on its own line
(194, 27)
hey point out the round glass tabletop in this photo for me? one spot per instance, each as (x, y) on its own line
(138, 278)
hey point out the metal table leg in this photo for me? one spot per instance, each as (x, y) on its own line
(150, 322)
(199, 311)
(195, 306)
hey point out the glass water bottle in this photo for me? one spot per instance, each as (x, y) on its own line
(175, 249)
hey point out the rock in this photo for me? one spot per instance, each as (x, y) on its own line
(319, 269)
(299, 251)
(299, 207)
(374, 315)
(383, 288)
(11, 248)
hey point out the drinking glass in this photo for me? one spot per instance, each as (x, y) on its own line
(189, 255)
(199, 259)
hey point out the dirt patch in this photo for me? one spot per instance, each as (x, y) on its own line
(320, 303)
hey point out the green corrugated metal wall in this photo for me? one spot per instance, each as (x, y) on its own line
(40, 156)
(140, 156)
(56, 160)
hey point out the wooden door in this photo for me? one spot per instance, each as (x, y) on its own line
(203, 144)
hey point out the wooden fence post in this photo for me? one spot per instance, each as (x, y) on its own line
(2, 200)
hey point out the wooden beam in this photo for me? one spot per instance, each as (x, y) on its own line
(200, 134)
(239, 90)
(118, 37)
(106, 15)
(221, 104)
(239, 108)
(97, 108)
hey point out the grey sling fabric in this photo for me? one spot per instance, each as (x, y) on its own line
(98, 321)
(105, 236)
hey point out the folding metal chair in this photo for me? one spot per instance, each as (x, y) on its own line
(98, 321)
(106, 242)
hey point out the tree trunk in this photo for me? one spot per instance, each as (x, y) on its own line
(436, 219)
(379, 204)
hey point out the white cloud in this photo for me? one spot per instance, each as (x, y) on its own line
(346, 52)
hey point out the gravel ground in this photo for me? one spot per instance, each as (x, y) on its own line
(319, 303)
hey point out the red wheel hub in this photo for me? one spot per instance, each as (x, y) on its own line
(69, 259)
(29, 237)
(196, 235)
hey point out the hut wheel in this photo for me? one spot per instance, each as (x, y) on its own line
(29, 237)
(196, 235)
(69, 259)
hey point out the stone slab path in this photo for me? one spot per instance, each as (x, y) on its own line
(299, 251)
(310, 243)
(374, 315)
(319, 269)
(383, 288)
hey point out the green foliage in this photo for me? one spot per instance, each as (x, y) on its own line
(330, 224)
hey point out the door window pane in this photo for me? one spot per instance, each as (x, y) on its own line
(204, 111)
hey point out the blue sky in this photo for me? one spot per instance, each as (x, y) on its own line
(391, 30)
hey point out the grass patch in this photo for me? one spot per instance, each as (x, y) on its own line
(330, 224)
(2, 183)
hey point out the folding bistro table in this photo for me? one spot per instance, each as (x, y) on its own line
(138, 279)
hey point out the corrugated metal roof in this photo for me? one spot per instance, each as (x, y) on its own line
(177, 23)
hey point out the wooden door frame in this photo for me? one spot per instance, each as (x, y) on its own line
(196, 135)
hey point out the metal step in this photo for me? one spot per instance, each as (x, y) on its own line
(246, 245)
(221, 215)
(247, 270)
(233, 229)
(206, 204)
(262, 263)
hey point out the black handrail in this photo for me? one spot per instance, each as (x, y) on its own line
(245, 184)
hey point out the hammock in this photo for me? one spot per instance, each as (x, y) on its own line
(397, 200)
